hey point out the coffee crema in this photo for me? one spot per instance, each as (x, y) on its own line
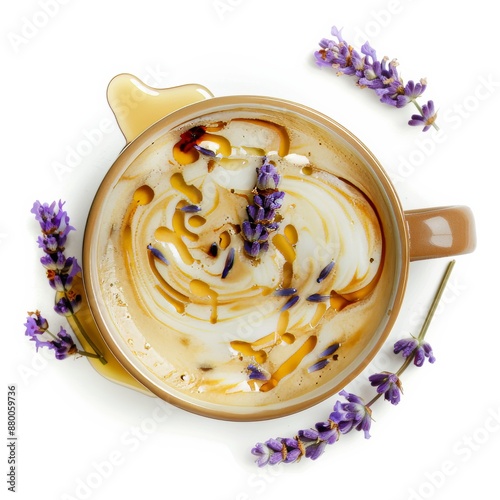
(200, 313)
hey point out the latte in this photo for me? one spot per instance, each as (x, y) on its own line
(231, 304)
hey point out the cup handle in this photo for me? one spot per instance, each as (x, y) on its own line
(440, 232)
(137, 106)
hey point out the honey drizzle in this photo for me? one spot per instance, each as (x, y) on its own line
(290, 364)
(143, 195)
(202, 289)
(174, 297)
(284, 243)
(224, 146)
(179, 225)
(192, 192)
(284, 145)
(247, 349)
(284, 247)
(166, 235)
(320, 311)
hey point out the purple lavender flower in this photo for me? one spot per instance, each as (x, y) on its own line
(270, 452)
(61, 278)
(54, 262)
(426, 118)
(412, 346)
(271, 201)
(414, 90)
(310, 443)
(254, 232)
(424, 351)
(69, 304)
(315, 440)
(275, 451)
(292, 450)
(254, 249)
(268, 177)
(406, 346)
(62, 343)
(388, 384)
(262, 212)
(256, 373)
(35, 324)
(263, 209)
(49, 218)
(381, 76)
(352, 415)
(61, 273)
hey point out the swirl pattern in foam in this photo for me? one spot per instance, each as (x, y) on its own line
(238, 336)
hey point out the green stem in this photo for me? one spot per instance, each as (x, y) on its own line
(430, 314)
(82, 353)
(436, 300)
(374, 399)
(52, 335)
(417, 105)
(98, 353)
(425, 326)
(88, 354)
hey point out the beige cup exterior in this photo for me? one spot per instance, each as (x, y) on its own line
(409, 235)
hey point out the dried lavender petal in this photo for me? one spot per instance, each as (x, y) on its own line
(262, 212)
(290, 303)
(214, 249)
(330, 350)
(190, 209)
(319, 365)
(204, 151)
(325, 271)
(229, 263)
(285, 292)
(317, 297)
(256, 373)
(158, 254)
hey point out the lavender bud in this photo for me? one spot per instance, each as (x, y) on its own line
(229, 263)
(290, 303)
(325, 272)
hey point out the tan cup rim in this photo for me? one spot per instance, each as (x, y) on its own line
(225, 103)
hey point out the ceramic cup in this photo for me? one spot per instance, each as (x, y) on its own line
(228, 313)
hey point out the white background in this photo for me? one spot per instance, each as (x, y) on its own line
(81, 436)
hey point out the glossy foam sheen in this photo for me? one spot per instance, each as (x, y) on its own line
(170, 363)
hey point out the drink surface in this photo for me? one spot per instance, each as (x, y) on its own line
(202, 308)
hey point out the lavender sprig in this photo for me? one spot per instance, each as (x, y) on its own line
(37, 328)
(354, 414)
(61, 272)
(262, 212)
(380, 76)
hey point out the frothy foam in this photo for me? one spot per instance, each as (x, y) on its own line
(215, 338)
